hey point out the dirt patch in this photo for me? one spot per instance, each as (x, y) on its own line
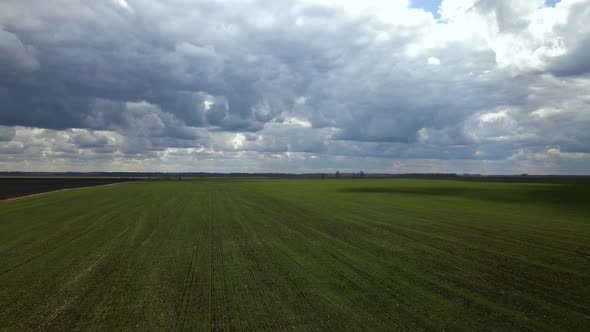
(19, 187)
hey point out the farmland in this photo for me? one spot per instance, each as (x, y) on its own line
(12, 187)
(298, 254)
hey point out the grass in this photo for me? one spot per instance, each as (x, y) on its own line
(298, 254)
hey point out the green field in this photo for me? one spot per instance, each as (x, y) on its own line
(298, 254)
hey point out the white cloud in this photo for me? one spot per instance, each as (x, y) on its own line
(339, 80)
(454, 9)
(238, 141)
(123, 4)
(433, 61)
(293, 121)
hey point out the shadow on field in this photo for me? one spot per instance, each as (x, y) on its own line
(572, 195)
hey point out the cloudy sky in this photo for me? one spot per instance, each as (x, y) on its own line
(480, 86)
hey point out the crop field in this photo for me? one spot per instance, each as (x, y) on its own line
(298, 254)
(11, 187)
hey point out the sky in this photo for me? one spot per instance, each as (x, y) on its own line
(465, 86)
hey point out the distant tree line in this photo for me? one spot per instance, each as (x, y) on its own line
(359, 175)
(353, 175)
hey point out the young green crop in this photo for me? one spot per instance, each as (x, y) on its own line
(298, 254)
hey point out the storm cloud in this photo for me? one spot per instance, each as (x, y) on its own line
(295, 85)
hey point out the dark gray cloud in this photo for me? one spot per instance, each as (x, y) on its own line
(576, 36)
(294, 84)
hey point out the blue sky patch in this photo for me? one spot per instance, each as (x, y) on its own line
(432, 5)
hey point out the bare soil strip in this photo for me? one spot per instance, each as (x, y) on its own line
(57, 190)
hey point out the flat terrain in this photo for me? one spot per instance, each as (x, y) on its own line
(298, 254)
(11, 187)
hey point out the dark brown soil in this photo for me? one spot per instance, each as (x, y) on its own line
(16, 187)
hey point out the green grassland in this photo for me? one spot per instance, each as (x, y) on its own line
(298, 254)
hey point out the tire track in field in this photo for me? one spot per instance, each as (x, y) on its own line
(323, 262)
(279, 269)
(152, 283)
(174, 219)
(486, 232)
(186, 292)
(114, 242)
(200, 302)
(64, 291)
(431, 250)
(212, 298)
(300, 295)
(464, 293)
(304, 311)
(215, 291)
(181, 307)
(449, 285)
(224, 278)
(60, 245)
(123, 232)
(286, 274)
(226, 320)
(53, 249)
(339, 270)
(423, 281)
(116, 268)
(229, 236)
(170, 209)
(245, 270)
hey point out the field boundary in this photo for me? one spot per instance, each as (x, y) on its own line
(58, 190)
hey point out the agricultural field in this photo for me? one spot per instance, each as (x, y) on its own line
(298, 254)
(11, 187)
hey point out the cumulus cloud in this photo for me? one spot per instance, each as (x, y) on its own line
(6, 133)
(288, 85)
(16, 55)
